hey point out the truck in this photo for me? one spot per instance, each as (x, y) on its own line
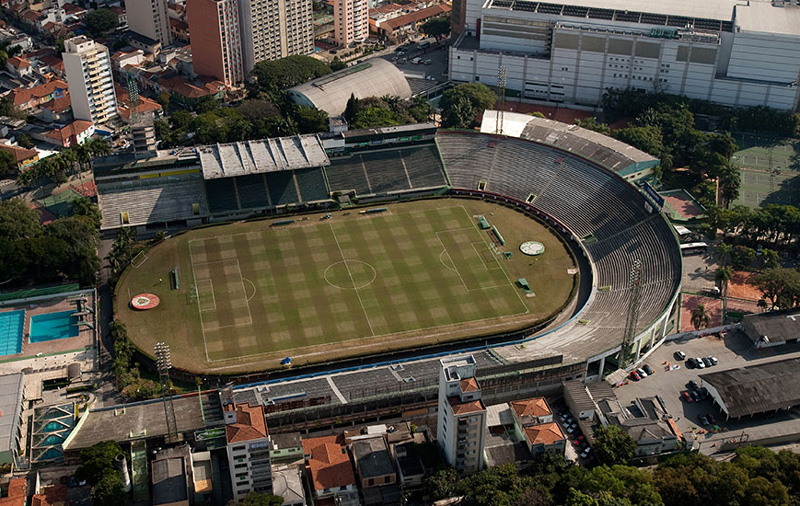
(422, 46)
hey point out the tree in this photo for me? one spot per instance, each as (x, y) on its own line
(109, 491)
(80, 235)
(645, 138)
(613, 446)
(97, 461)
(17, 221)
(337, 64)
(461, 105)
(100, 21)
(723, 277)
(438, 27)
(274, 77)
(743, 257)
(83, 206)
(723, 253)
(442, 483)
(25, 141)
(779, 286)
(310, 120)
(8, 164)
(206, 104)
(257, 499)
(700, 317)
(376, 117)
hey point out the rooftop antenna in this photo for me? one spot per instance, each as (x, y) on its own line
(501, 89)
(635, 286)
(164, 364)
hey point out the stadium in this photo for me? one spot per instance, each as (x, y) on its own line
(383, 194)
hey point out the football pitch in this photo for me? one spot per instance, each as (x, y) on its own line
(411, 275)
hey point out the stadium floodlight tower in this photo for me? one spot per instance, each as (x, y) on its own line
(164, 364)
(635, 285)
(501, 90)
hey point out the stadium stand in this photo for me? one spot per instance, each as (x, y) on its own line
(221, 195)
(348, 173)
(282, 188)
(251, 190)
(386, 171)
(156, 200)
(424, 167)
(312, 185)
(594, 204)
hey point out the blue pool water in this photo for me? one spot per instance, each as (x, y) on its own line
(11, 325)
(50, 326)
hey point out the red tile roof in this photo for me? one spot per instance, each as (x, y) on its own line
(469, 385)
(531, 407)
(17, 493)
(18, 62)
(65, 133)
(414, 17)
(329, 464)
(73, 9)
(250, 424)
(21, 154)
(546, 434)
(61, 104)
(51, 496)
(21, 96)
(462, 408)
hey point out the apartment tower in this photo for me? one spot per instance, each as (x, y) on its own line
(91, 85)
(216, 39)
(350, 21)
(273, 29)
(462, 415)
(248, 448)
(149, 18)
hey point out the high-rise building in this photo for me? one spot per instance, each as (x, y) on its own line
(350, 21)
(150, 18)
(273, 29)
(248, 448)
(226, 47)
(91, 85)
(462, 415)
(216, 39)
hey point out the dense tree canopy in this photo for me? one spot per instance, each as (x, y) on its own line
(99, 21)
(274, 77)
(462, 104)
(613, 446)
(97, 460)
(438, 27)
(780, 287)
(258, 499)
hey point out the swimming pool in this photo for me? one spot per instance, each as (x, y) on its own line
(50, 326)
(11, 325)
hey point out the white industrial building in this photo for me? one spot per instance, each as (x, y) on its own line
(738, 53)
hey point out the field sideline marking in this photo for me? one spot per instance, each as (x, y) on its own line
(341, 253)
(213, 297)
(199, 312)
(467, 288)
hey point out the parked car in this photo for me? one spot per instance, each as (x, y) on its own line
(634, 376)
(699, 363)
(703, 420)
(707, 362)
(580, 439)
(713, 360)
(703, 392)
(642, 373)
(711, 419)
(679, 355)
(686, 396)
(586, 453)
(693, 385)
(696, 396)
(691, 363)
(649, 370)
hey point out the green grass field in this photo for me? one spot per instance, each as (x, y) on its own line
(419, 273)
(770, 170)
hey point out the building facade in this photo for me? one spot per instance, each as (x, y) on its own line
(732, 53)
(216, 39)
(149, 18)
(462, 415)
(273, 29)
(91, 85)
(248, 449)
(350, 21)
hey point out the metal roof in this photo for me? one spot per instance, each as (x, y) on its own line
(10, 406)
(757, 388)
(708, 9)
(266, 155)
(778, 326)
(373, 78)
(767, 18)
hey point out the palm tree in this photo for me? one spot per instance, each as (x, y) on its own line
(700, 317)
(723, 277)
(723, 253)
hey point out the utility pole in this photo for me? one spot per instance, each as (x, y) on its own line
(635, 287)
(164, 364)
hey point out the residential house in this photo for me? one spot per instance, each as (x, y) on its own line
(25, 157)
(179, 29)
(402, 27)
(145, 106)
(30, 99)
(286, 447)
(16, 493)
(330, 471)
(287, 482)
(125, 57)
(18, 66)
(171, 473)
(649, 425)
(373, 462)
(545, 438)
(122, 16)
(74, 134)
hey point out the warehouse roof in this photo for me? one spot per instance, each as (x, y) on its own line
(10, 406)
(373, 78)
(757, 388)
(777, 326)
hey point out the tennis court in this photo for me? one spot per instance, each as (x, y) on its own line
(770, 170)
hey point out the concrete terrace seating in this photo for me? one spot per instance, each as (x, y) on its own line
(282, 189)
(252, 191)
(521, 168)
(467, 158)
(424, 166)
(386, 171)
(155, 201)
(347, 173)
(221, 195)
(312, 185)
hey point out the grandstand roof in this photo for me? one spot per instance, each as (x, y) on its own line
(373, 78)
(601, 149)
(266, 155)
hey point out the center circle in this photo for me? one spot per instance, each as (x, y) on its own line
(350, 274)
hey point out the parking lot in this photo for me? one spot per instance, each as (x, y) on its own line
(732, 351)
(423, 75)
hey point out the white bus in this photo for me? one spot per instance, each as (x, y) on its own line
(694, 248)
